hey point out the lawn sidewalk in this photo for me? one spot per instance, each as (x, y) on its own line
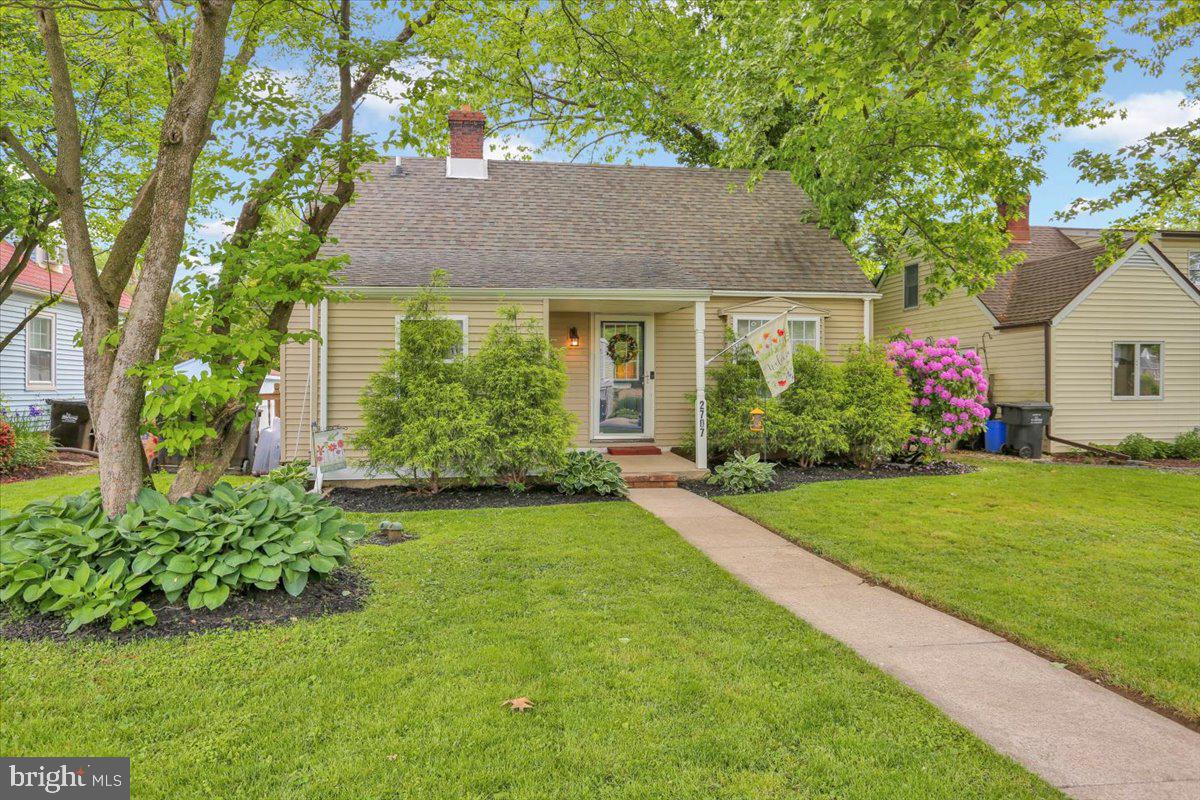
(1096, 566)
(653, 673)
(1088, 741)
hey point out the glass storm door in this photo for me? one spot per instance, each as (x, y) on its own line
(622, 385)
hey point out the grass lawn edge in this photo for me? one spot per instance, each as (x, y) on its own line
(1142, 699)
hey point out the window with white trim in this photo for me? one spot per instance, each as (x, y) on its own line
(39, 351)
(801, 329)
(1137, 370)
(1193, 266)
(912, 286)
(463, 323)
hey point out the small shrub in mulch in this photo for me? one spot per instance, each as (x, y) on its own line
(786, 477)
(380, 499)
(342, 591)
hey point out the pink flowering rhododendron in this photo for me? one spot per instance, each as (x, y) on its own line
(949, 390)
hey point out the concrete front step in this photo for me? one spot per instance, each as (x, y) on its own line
(652, 480)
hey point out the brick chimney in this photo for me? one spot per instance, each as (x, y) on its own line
(466, 132)
(1017, 228)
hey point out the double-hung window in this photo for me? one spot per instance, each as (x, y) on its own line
(457, 350)
(39, 352)
(801, 329)
(1193, 266)
(1137, 370)
(912, 286)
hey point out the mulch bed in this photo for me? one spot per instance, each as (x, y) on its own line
(1157, 463)
(381, 538)
(342, 591)
(59, 464)
(402, 498)
(787, 477)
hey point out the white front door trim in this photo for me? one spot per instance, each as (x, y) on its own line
(647, 370)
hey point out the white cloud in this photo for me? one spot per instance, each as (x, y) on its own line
(214, 229)
(1144, 113)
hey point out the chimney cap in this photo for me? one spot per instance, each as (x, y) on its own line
(465, 113)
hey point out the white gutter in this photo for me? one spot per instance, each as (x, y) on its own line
(848, 295)
(537, 294)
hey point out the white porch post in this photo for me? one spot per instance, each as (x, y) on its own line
(868, 320)
(701, 402)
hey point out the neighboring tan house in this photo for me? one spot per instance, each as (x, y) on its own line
(662, 259)
(42, 362)
(1115, 352)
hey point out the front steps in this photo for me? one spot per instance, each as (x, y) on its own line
(652, 480)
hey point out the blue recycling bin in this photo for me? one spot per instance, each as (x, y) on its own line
(994, 436)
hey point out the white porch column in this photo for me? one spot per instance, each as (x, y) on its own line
(701, 402)
(868, 319)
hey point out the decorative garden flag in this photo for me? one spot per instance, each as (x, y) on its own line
(773, 349)
(330, 449)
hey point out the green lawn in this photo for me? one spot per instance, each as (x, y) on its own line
(654, 674)
(1098, 566)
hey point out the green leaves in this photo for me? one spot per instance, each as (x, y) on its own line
(63, 557)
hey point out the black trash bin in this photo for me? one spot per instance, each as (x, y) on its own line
(70, 423)
(1026, 424)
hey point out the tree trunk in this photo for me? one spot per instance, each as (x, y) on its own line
(206, 465)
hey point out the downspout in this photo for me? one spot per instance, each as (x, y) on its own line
(1046, 375)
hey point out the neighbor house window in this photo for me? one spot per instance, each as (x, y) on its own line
(912, 286)
(39, 351)
(1194, 266)
(1137, 369)
(458, 350)
(802, 330)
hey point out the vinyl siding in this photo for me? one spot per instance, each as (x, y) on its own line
(957, 314)
(68, 359)
(1016, 362)
(579, 377)
(1139, 302)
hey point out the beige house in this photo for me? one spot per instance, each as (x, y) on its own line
(635, 272)
(1115, 352)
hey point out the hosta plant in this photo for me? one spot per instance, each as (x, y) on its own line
(588, 472)
(744, 474)
(65, 557)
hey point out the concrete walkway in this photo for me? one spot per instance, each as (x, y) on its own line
(1090, 742)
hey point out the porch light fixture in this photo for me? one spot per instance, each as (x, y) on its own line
(756, 416)
(573, 337)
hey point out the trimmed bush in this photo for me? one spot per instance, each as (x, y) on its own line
(810, 429)
(876, 412)
(417, 413)
(1187, 445)
(588, 472)
(518, 380)
(949, 389)
(743, 474)
(65, 557)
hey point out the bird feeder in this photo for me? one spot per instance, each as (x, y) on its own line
(756, 424)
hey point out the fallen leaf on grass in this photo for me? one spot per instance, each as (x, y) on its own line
(518, 704)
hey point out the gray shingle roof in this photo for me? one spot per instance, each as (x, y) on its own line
(534, 225)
